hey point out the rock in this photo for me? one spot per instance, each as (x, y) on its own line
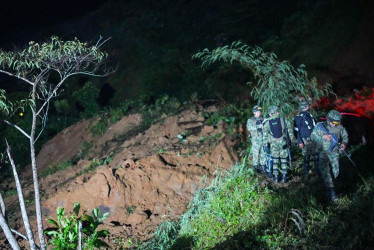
(136, 218)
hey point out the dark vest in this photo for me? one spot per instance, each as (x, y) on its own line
(276, 127)
(304, 125)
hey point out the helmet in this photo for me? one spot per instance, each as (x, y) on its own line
(303, 105)
(256, 108)
(273, 110)
(334, 117)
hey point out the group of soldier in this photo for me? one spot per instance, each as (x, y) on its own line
(320, 142)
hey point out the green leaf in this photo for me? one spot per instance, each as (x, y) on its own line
(76, 208)
(53, 222)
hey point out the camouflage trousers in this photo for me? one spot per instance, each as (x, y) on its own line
(325, 160)
(258, 155)
(279, 154)
(309, 147)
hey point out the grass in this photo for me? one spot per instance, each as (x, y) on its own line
(10, 192)
(240, 210)
(100, 127)
(53, 169)
(94, 164)
(212, 137)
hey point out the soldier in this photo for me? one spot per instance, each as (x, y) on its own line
(275, 130)
(327, 135)
(254, 126)
(304, 124)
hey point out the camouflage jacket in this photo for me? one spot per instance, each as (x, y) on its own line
(253, 127)
(267, 134)
(321, 144)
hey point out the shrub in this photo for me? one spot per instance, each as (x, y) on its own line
(65, 234)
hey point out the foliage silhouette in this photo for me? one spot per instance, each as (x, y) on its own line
(278, 82)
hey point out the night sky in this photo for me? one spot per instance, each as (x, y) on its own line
(30, 16)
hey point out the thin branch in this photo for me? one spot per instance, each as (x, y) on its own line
(44, 121)
(21, 199)
(8, 233)
(41, 74)
(89, 73)
(51, 95)
(18, 128)
(19, 77)
(19, 234)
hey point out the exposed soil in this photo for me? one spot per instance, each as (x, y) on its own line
(151, 177)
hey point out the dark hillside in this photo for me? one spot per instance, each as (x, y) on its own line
(153, 42)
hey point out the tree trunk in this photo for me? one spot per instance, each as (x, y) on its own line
(8, 234)
(2, 204)
(79, 235)
(22, 205)
(38, 209)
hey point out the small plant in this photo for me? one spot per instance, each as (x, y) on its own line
(130, 210)
(55, 168)
(85, 149)
(10, 192)
(164, 236)
(161, 150)
(99, 128)
(209, 138)
(124, 243)
(117, 113)
(94, 164)
(65, 234)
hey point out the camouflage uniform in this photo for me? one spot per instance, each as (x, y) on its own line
(322, 145)
(254, 126)
(304, 124)
(274, 129)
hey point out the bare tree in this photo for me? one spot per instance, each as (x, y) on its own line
(36, 66)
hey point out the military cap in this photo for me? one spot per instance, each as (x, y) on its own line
(257, 108)
(273, 109)
(334, 116)
(303, 105)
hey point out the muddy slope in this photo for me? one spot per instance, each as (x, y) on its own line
(150, 176)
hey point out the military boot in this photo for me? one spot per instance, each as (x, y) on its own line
(276, 178)
(270, 175)
(305, 167)
(316, 165)
(270, 169)
(284, 178)
(331, 194)
(263, 169)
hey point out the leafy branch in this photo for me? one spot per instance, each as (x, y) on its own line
(278, 82)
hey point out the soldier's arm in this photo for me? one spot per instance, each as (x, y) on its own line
(290, 131)
(297, 123)
(344, 136)
(251, 126)
(315, 136)
(265, 130)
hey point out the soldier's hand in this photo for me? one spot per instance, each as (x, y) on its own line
(327, 137)
(343, 147)
(301, 145)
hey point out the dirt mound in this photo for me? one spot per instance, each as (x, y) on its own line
(151, 176)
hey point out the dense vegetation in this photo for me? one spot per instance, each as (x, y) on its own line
(241, 210)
